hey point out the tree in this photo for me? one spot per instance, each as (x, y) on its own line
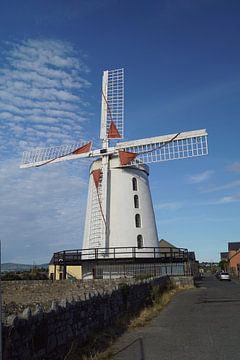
(223, 264)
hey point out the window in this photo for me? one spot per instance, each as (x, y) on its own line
(136, 201)
(134, 184)
(138, 220)
(139, 241)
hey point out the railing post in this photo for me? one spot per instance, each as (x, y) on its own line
(64, 266)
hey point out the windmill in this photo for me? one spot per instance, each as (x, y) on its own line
(119, 207)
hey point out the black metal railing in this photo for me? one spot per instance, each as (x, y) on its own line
(76, 256)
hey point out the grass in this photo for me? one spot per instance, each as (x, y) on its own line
(106, 338)
(150, 312)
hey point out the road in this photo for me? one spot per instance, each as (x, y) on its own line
(199, 324)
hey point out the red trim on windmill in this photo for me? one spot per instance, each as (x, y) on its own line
(97, 175)
(83, 149)
(126, 157)
(113, 131)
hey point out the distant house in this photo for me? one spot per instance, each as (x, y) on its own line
(60, 272)
(224, 256)
(169, 250)
(194, 263)
(234, 257)
(164, 244)
(192, 256)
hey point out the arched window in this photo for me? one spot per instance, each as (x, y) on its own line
(134, 184)
(136, 201)
(138, 220)
(139, 242)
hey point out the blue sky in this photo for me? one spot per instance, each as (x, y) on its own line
(182, 72)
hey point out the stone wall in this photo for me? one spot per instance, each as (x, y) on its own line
(17, 295)
(48, 334)
(182, 281)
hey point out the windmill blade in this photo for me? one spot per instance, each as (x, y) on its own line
(40, 157)
(164, 148)
(112, 113)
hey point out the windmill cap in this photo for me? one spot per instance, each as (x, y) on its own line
(114, 164)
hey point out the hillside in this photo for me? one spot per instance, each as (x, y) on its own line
(6, 267)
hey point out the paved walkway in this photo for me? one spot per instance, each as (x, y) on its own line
(199, 324)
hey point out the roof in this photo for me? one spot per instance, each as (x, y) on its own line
(224, 255)
(191, 256)
(165, 244)
(233, 246)
(51, 262)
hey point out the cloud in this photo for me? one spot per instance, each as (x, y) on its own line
(229, 199)
(194, 220)
(41, 209)
(42, 84)
(227, 186)
(235, 167)
(201, 177)
(169, 206)
(42, 103)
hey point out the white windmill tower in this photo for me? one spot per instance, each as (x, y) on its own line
(119, 208)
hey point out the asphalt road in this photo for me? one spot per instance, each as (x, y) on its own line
(198, 324)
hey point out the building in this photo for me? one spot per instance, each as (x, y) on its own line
(234, 257)
(166, 259)
(224, 256)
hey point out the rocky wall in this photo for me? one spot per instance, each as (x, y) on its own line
(48, 334)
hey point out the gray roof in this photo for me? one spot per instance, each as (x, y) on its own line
(224, 255)
(233, 246)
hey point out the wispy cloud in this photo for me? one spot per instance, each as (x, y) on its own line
(169, 206)
(227, 186)
(194, 219)
(42, 85)
(41, 209)
(42, 103)
(201, 177)
(235, 167)
(229, 199)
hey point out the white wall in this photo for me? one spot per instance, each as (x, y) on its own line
(122, 230)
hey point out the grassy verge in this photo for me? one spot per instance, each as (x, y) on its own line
(104, 340)
(150, 312)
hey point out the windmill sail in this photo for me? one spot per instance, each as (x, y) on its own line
(164, 148)
(112, 113)
(39, 157)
